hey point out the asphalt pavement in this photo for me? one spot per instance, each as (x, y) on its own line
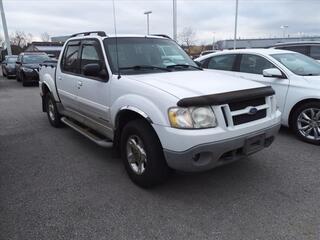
(56, 184)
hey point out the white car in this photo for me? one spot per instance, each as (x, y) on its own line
(160, 112)
(294, 77)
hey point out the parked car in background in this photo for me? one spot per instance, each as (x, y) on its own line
(294, 77)
(147, 98)
(8, 66)
(27, 66)
(311, 48)
(206, 52)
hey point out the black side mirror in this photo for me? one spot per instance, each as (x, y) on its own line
(92, 69)
(95, 70)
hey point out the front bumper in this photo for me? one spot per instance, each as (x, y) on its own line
(209, 155)
(31, 76)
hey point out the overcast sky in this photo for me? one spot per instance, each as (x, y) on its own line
(208, 18)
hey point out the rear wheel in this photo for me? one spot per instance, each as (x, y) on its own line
(306, 122)
(52, 111)
(142, 154)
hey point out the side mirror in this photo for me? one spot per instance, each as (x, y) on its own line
(272, 72)
(198, 63)
(92, 69)
(95, 70)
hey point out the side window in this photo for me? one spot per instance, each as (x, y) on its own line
(315, 52)
(254, 64)
(92, 53)
(300, 49)
(70, 61)
(221, 62)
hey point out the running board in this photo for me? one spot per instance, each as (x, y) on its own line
(101, 142)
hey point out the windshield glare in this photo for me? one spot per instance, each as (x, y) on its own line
(35, 58)
(138, 51)
(298, 63)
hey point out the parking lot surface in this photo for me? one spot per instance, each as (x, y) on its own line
(56, 184)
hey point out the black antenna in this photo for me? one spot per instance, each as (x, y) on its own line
(115, 33)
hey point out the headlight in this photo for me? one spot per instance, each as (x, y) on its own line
(192, 117)
(27, 69)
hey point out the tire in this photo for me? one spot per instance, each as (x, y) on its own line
(18, 78)
(154, 169)
(52, 111)
(24, 83)
(306, 122)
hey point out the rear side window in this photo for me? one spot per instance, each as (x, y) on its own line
(70, 61)
(315, 52)
(254, 64)
(300, 49)
(221, 62)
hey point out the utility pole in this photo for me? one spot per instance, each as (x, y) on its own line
(5, 29)
(148, 13)
(174, 14)
(235, 27)
(284, 27)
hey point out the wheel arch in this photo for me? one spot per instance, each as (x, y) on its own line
(125, 115)
(44, 90)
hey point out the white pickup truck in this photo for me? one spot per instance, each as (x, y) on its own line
(145, 97)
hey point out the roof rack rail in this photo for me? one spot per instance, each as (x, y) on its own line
(161, 35)
(99, 33)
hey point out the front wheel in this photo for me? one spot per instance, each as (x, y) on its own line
(306, 122)
(52, 111)
(142, 154)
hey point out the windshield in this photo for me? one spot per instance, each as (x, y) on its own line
(12, 59)
(299, 63)
(151, 54)
(35, 58)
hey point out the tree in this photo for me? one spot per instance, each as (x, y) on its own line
(45, 37)
(187, 37)
(20, 39)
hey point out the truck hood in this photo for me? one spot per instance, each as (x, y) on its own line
(185, 84)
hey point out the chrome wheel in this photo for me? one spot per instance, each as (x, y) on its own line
(308, 123)
(51, 110)
(136, 154)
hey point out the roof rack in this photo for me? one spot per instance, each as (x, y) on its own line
(161, 35)
(99, 33)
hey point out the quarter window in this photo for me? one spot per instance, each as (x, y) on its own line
(221, 62)
(254, 64)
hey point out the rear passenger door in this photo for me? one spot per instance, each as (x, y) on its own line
(225, 63)
(68, 74)
(93, 92)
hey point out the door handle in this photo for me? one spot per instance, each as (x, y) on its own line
(79, 84)
(59, 78)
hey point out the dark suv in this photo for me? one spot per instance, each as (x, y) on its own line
(27, 66)
(309, 48)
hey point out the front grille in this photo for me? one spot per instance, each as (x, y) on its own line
(252, 102)
(244, 118)
(237, 113)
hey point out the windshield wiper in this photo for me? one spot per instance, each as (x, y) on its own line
(184, 66)
(139, 67)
